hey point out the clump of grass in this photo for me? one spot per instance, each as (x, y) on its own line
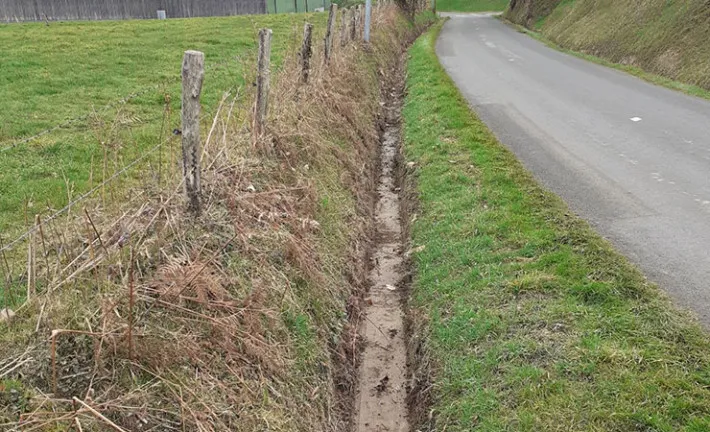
(156, 319)
(529, 319)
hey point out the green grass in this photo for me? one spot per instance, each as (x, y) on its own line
(534, 322)
(471, 5)
(64, 70)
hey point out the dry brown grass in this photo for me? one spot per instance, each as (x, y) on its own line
(149, 319)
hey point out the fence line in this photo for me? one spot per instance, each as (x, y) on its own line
(84, 196)
(41, 10)
(123, 100)
(73, 203)
(260, 113)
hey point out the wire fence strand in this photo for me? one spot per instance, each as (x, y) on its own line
(84, 196)
(123, 100)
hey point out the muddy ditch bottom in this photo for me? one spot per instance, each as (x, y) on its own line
(382, 389)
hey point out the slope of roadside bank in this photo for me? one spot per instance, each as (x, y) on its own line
(660, 37)
(525, 318)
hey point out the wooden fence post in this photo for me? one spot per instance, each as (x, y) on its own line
(306, 52)
(31, 273)
(361, 21)
(354, 13)
(368, 19)
(193, 74)
(263, 77)
(330, 30)
(344, 31)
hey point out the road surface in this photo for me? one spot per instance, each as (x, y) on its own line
(631, 158)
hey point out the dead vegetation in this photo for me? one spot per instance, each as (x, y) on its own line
(149, 319)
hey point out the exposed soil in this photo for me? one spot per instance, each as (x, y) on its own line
(382, 389)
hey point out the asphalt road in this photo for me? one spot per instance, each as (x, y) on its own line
(631, 158)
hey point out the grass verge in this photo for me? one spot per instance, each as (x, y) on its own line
(532, 321)
(471, 5)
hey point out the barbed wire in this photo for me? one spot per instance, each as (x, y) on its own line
(86, 116)
(84, 196)
(107, 107)
(96, 188)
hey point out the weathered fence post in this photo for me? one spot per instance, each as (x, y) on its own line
(31, 273)
(306, 52)
(193, 74)
(329, 31)
(263, 77)
(354, 13)
(344, 31)
(362, 21)
(368, 18)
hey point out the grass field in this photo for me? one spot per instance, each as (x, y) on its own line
(471, 5)
(54, 73)
(534, 322)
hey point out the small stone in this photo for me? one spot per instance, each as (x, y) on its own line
(415, 250)
(6, 314)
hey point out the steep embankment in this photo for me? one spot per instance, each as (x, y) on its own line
(664, 37)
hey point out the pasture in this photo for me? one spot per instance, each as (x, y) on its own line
(51, 74)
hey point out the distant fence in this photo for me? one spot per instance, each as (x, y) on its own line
(41, 259)
(40, 10)
(289, 6)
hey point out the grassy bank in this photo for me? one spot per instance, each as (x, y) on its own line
(471, 5)
(689, 89)
(236, 320)
(666, 38)
(534, 322)
(54, 73)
